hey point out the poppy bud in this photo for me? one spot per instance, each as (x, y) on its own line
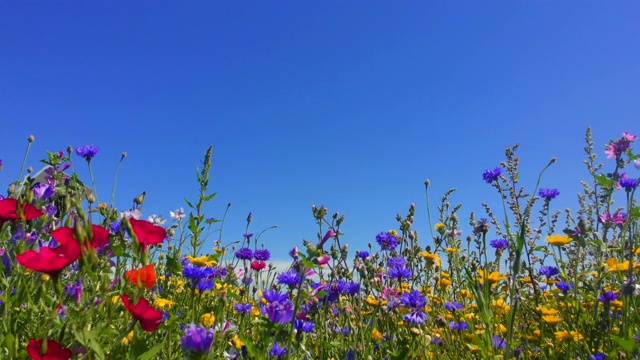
(140, 198)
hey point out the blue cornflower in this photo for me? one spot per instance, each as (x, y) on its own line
(115, 226)
(272, 296)
(363, 254)
(244, 254)
(194, 272)
(628, 183)
(387, 241)
(499, 244)
(461, 326)
(399, 273)
(242, 308)
(247, 235)
(205, 284)
(197, 339)
(598, 356)
(219, 272)
(498, 342)
(262, 255)
(415, 316)
(43, 191)
(413, 299)
(279, 312)
(491, 175)
(304, 326)
(548, 194)
(397, 262)
(87, 151)
(549, 271)
(290, 278)
(277, 350)
(608, 296)
(453, 306)
(563, 286)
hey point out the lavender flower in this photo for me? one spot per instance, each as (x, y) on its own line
(43, 191)
(197, 339)
(608, 296)
(279, 312)
(549, 271)
(87, 151)
(363, 254)
(453, 306)
(290, 278)
(628, 183)
(491, 175)
(242, 308)
(304, 326)
(461, 326)
(498, 342)
(277, 350)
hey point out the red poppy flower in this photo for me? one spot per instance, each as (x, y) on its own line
(55, 351)
(50, 261)
(258, 265)
(8, 210)
(149, 317)
(142, 277)
(147, 233)
(66, 234)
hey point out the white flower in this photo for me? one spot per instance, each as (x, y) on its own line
(135, 213)
(157, 219)
(177, 215)
(636, 163)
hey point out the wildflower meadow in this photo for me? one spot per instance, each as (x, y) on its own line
(85, 279)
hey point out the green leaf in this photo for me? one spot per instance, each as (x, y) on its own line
(635, 212)
(149, 354)
(189, 203)
(209, 197)
(603, 181)
(627, 345)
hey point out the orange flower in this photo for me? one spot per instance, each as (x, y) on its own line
(142, 277)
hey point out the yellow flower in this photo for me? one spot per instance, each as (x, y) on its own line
(201, 261)
(559, 240)
(451, 250)
(115, 299)
(547, 311)
(207, 319)
(430, 258)
(551, 319)
(440, 227)
(373, 301)
(102, 206)
(614, 265)
(501, 328)
(163, 304)
(127, 339)
(376, 335)
(568, 335)
(45, 277)
(443, 283)
(237, 342)
(493, 277)
(393, 232)
(464, 293)
(501, 306)
(219, 251)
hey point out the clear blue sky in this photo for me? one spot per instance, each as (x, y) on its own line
(350, 104)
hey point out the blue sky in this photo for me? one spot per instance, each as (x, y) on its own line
(347, 104)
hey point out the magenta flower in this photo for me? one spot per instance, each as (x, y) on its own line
(616, 219)
(330, 233)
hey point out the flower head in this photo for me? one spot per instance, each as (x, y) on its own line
(549, 271)
(491, 175)
(387, 241)
(628, 183)
(499, 244)
(55, 351)
(548, 194)
(49, 260)
(262, 255)
(11, 210)
(290, 278)
(244, 254)
(141, 311)
(197, 339)
(87, 151)
(279, 312)
(147, 233)
(177, 215)
(144, 277)
(559, 240)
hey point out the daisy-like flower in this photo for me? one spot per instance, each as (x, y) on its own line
(157, 219)
(177, 215)
(559, 239)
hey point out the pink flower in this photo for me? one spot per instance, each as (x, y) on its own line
(330, 233)
(628, 136)
(616, 219)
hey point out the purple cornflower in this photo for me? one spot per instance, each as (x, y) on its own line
(628, 183)
(399, 273)
(273, 296)
(598, 356)
(290, 278)
(197, 339)
(398, 261)
(453, 306)
(498, 342)
(262, 255)
(363, 254)
(499, 244)
(247, 235)
(549, 271)
(548, 194)
(608, 296)
(43, 191)
(194, 272)
(242, 308)
(491, 175)
(87, 151)
(563, 286)
(279, 312)
(414, 299)
(244, 254)
(304, 326)
(277, 350)
(115, 227)
(461, 326)
(387, 241)
(205, 284)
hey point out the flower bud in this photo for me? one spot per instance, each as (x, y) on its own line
(31, 138)
(138, 200)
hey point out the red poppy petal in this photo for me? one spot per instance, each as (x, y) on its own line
(147, 233)
(100, 236)
(63, 235)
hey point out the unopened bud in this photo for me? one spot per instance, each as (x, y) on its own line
(249, 217)
(171, 232)
(29, 170)
(69, 149)
(91, 198)
(427, 182)
(31, 138)
(140, 198)
(124, 154)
